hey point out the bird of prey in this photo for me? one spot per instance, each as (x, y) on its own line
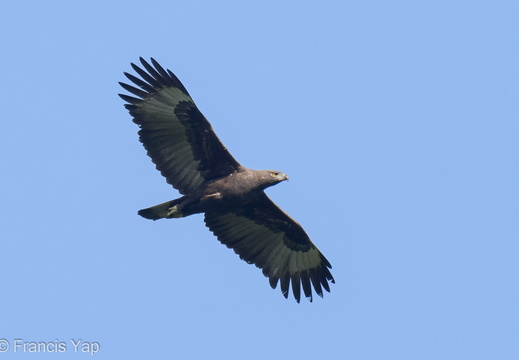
(187, 152)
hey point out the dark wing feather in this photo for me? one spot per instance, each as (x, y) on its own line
(262, 234)
(178, 138)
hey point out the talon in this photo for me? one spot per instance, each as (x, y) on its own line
(174, 212)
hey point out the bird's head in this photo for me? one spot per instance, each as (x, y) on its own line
(277, 176)
(272, 177)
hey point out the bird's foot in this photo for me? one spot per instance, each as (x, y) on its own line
(174, 212)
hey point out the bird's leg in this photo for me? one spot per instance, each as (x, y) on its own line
(214, 196)
(174, 212)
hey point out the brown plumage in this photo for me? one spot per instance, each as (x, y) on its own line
(187, 152)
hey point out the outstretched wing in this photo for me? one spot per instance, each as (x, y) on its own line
(178, 138)
(262, 234)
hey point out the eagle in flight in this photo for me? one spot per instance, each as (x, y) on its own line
(187, 152)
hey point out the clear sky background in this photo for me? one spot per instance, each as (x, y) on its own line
(397, 122)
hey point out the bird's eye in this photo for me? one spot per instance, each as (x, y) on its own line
(275, 174)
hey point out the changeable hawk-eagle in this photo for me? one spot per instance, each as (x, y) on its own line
(187, 152)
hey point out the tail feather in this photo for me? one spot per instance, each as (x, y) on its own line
(161, 211)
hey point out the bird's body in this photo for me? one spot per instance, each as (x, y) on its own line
(237, 189)
(187, 152)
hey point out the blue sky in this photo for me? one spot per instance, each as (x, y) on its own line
(398, 125)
